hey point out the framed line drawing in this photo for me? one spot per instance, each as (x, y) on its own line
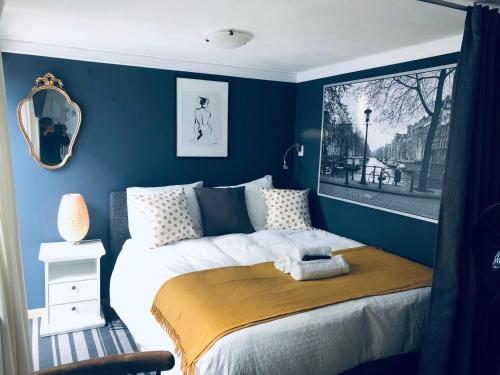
(202, 118)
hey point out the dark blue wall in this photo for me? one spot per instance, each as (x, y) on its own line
(127, 138)
(411, 238)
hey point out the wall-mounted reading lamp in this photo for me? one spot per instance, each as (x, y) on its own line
(299, 148)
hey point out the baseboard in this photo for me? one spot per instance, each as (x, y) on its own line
(35, 313)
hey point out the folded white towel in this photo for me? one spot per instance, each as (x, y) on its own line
(284, 264)
(299, 252)
(319, 269)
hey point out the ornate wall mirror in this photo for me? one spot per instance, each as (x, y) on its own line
(49, 121)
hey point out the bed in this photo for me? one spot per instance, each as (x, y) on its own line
(327, 340)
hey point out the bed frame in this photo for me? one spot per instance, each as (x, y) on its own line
(118, 221)
(118, 233)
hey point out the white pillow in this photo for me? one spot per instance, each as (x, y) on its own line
(256, 204)
(164, 217)
(135, 224)
(287, 209)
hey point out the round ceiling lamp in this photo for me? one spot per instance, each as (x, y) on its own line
(228, 39)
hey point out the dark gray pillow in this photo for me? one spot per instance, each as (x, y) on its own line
(223, 211)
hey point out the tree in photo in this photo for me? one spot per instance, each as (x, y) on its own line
(409, 95)
(339, 137)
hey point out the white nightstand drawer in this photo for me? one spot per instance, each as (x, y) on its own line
(73, 291)
(71, 312)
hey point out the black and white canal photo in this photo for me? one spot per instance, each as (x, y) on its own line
(384, 141)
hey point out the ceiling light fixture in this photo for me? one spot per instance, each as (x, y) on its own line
(228, 39)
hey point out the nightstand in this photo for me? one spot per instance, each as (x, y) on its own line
(72, 286)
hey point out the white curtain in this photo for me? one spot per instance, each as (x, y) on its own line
(15, 352)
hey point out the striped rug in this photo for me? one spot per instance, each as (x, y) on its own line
(76, 346)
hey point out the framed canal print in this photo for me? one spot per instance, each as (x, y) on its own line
(202, 116)
(384, 141)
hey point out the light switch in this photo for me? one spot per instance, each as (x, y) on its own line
(300, 152)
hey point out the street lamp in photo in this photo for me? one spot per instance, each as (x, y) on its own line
(347, 141)
(368, 111)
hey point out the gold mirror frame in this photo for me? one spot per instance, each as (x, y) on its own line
(49, 82)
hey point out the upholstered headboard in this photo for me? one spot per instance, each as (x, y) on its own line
(118, 221)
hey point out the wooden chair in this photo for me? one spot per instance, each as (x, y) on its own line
(130, 363)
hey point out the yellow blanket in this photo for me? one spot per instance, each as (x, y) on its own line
(198, 308)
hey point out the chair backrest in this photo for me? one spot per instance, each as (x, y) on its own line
(130, 363)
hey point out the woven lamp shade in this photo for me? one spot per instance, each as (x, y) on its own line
(73, 219)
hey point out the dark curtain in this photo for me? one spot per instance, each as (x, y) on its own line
(455, 340)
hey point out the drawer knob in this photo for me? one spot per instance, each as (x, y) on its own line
(73, 287)
(73, 308)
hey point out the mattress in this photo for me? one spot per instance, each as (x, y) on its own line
(327, 340)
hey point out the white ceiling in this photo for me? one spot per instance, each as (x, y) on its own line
(290, 36)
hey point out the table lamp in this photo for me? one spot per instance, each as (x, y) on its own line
(73, 218)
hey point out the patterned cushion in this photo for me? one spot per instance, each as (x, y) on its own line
(164, 217)
(192, 203)
(287, 209)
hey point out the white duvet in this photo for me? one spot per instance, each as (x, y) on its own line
(326, 340)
